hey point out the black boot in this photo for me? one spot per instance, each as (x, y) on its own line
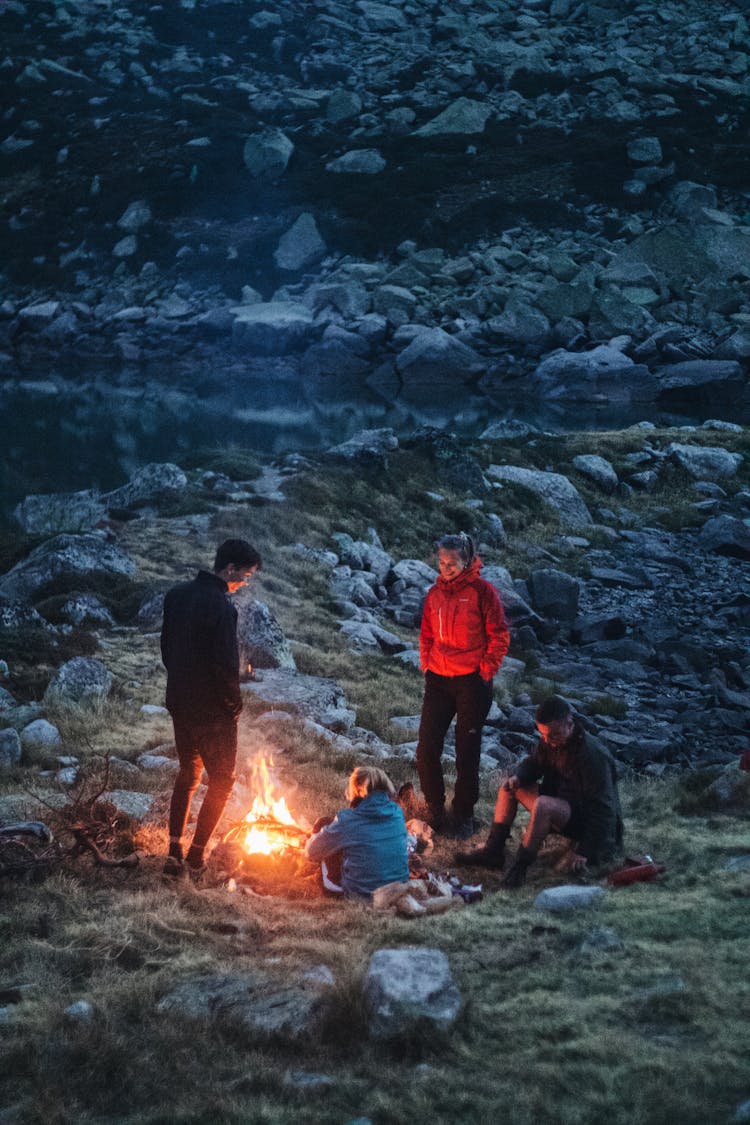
(493, 852)
(516, 876)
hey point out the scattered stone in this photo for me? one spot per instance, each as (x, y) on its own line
(465, 117)
(57, 512)
(603, 940)
(273, 328)
(598, 470)
(260, 638)
(300, 246)
(358, 162)
(434, 357)
(147, 483)
(704, 462)
(66, 557)
(10, 748)
(80, 1011)
(554, 594)
(267, 154)
(135, 806)
(726, 535)
(554, 489)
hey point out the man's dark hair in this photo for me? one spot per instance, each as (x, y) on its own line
(552, 710)
(236, 552)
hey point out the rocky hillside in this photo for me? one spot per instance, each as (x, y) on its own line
(546, 198)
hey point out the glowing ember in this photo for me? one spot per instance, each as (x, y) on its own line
(270, 826)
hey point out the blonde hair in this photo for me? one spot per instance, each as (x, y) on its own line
(365, 780)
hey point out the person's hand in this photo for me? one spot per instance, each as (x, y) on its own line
(511, 784)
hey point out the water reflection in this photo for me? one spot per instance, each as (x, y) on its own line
(62, 437)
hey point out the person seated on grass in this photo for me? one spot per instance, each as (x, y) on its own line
(370, 835)
(569, 785)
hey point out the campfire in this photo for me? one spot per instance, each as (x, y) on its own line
(265, 849)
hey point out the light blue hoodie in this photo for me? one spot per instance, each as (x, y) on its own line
(372, 837)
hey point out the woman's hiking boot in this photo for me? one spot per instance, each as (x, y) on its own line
(492, 854)
(516, 874)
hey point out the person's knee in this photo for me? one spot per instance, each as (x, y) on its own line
(221, 784)
(544, 809)
(189, 775)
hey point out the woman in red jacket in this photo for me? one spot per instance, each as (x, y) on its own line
(462, 643)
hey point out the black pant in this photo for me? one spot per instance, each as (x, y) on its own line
(469, 698)
(212, 744)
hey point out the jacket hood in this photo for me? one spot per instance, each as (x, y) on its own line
(468, 575)
(378, 806)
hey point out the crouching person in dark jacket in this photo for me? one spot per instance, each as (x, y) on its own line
(199, 651)
(370, 835)
(569, 785)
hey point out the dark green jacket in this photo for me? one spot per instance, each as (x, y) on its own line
(583, 773)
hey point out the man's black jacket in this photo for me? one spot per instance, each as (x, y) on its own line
(199, 650)
(582, 773)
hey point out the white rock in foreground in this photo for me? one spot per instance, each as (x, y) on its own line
(565, 899)
(406, 986)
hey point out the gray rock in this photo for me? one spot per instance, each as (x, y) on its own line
(151, 762)
(350, 298)
(343, 105)
(689, 200)
(711, 376)
(273, 327)
(554, 489)
(598, 470)
(464, 117)
(520, 323)
(312, 696)
(742, 1114)
(136, 216)
(69, 557)
(645, 150)
(147, 483)
(395, 302)
(434, 357)
(506, 428)
(726, 535)
(602, 374)
(603, 940)
(362, 635)
(406, 987)
(300, 246)
(359, 162)
(554, 594)
(40, 735)
(136, 806)
(260, 638)
(58, 512)
(10, 748)
(126, 247)
(309, 1081)
(86, 610)
(704, 462)
(81, 680)
(517, 609)
(566, 899)
(267, 154)
(254, 1001)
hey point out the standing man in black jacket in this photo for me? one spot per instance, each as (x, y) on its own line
(568, 783)
(199, 651)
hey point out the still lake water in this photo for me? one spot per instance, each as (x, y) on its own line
(61, 437)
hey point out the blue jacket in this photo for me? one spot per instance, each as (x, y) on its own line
(372, 837)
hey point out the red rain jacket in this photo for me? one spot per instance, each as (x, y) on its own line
(463, 626)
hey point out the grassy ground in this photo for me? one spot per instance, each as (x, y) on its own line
(649, 1033)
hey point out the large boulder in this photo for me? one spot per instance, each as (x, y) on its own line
(59, 511)
(517, 610)
(367, 446)
(267, 154)
(148, 483)
(597, 470)
(314, 697)
(301, 245)
(359, 161)
(602, 374)
(435, 357)
(404, 988)
(40, 736)
(81, 680)
(553, 488)
(260, 638)
(701, 376)
(464, 117)
(726, 535)
(273, 327)
(554, 594)
(66, 557)
(704, 462)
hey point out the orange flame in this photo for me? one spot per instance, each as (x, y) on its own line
(269, 819)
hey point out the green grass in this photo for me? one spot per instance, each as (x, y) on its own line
(547, 1036)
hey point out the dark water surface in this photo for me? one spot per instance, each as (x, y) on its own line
(61, 438)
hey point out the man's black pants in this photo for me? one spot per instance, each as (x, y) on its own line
(469, 698)
(212, 744)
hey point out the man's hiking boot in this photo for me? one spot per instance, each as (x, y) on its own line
(516, 875)
(462, 829)
(492, 854)
(435, 817)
